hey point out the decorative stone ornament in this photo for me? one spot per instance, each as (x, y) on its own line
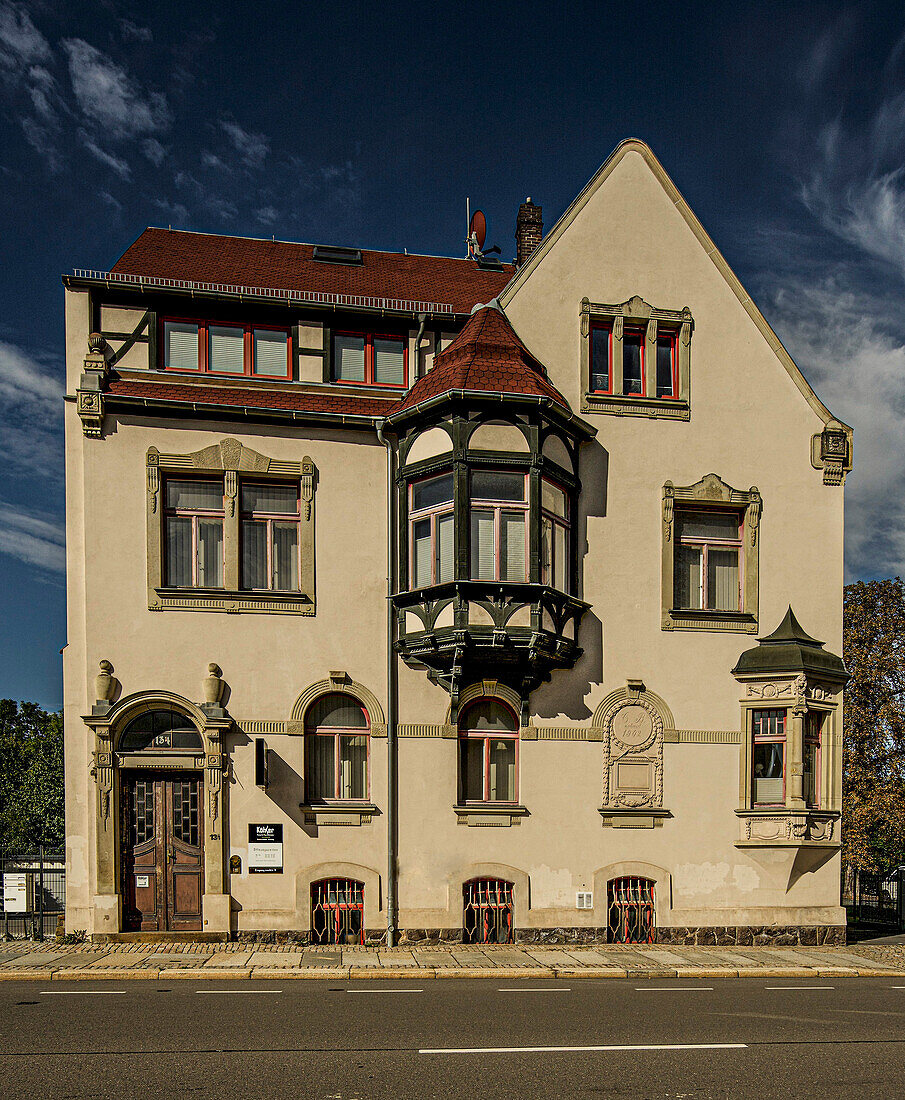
(213, 686)
(831, 451)
(105, 683)
(90, 392)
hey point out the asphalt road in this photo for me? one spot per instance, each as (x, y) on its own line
(321, 1040)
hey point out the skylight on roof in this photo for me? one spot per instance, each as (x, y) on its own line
(334, 254)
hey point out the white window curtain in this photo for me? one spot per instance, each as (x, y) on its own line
(195, 495)
(286, 557)
(353, 767)
(180, 345)
(254, 554)
(179, 551)
(445, 549)
(688, 577)
(210, 553)
(321, 780)
(471, 765)
(349, 358)
(227, 349)
(502, 771)
(270, 353)
(722, 579)
(389, 362)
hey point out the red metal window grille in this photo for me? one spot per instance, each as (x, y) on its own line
(630, 910)
(488, 911)
(337, 911)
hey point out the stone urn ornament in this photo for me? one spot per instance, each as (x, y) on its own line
(213, 685)
(105, 683)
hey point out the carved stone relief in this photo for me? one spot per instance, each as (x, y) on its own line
(633, 755)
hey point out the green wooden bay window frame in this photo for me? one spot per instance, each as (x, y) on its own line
(229, 529)
(636, 360)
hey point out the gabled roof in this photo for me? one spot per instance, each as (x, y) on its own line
(457, 284)
(486, 357)
(791, 649)
(635, 145)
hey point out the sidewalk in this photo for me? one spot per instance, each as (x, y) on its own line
(58, 962)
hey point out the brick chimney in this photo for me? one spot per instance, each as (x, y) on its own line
(529, 228)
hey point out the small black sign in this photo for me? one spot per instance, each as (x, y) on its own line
(265, 834)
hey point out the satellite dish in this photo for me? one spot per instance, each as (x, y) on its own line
(477, 230)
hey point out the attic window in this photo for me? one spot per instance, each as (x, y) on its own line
(333, 254)
(490, 263)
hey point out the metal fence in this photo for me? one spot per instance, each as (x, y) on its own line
(32, 893)
(875, 899)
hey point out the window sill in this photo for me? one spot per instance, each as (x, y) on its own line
(338, 813)
(784, 827)
(218, 599)
(641, 817)
(490, 814)
(739, 622)
(614, 404)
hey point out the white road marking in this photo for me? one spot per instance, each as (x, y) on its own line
(799, 987)
(384, 990)
(243, 992)
(569, 1050)
(897, 987)
(672, 988)
(96, 992)
(535, 989)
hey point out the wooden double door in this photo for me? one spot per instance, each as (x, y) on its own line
(162, 851)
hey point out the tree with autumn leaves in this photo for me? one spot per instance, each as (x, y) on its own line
(873, 770)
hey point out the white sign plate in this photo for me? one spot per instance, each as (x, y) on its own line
(15, 893)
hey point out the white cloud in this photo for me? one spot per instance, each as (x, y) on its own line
(21, 43)
(110, 200)
(134, 32)
(267, 215)
(32, 421)
(252, 148)
(116, 164)
(108, 97)
(32, 539)
(154, 151)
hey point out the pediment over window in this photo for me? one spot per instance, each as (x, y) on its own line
(228, 454)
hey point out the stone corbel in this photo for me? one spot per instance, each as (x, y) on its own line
(153, 477)
(102, 771)
(754, 509)
(669, 495)
(831, 451)
(90, 392)
(308, 480)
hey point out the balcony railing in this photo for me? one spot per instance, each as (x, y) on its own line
(520, 632)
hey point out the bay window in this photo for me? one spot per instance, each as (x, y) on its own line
(336, 750)
(260, 351)
(488, 753)
(270, 537)
(193, 524)
(812, 732)
(554, 536)
(708, 560)
(498, 525)
(431, 531)
(370, 358)
(768, 755)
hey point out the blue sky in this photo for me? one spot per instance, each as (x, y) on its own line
(368, 124)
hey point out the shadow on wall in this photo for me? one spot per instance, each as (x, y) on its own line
(285, 787)
(567, 691)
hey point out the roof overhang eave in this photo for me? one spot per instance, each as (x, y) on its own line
(491, 397)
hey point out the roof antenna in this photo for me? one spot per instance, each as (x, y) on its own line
(477, 232)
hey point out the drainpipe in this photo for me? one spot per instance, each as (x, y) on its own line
(392, 693)
(422, 321)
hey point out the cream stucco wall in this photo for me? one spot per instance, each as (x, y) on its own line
(750, 424)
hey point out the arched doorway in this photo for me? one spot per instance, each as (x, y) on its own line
(161, 822)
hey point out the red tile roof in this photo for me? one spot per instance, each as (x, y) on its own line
(296, 401)
(486, 356)
(281, 265)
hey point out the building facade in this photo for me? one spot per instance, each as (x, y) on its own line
(449, 599)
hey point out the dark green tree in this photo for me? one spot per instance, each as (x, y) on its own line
(31, 777)
(873, 820)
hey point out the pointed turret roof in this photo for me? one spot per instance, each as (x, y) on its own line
(486, 357)
(791, 649)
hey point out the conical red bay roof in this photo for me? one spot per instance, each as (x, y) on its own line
(486, 357)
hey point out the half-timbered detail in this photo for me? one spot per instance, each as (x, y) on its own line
(412, 598)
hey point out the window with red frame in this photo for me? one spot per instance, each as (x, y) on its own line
(499, 525)
(336, 750)
(812, 732)
(634, 364)
(708, 560)
(488, 753)
(431, 531)
(193, 533)
(768, 757)
(370, 358)
(258, 351)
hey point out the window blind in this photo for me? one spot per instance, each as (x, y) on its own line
(282, 499)
(286, 557)
(722, 579)
(421, 548)
(179, 551)
(389, 362)
(320, 780)
(227, 350)
(482, 546)
(512, 546)
(195, 495)
(353, 763)
(180, 345)
(445, 549)
(349, 358)
(270, 353)
(688, 577)
(210, 553)
(254, 554)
